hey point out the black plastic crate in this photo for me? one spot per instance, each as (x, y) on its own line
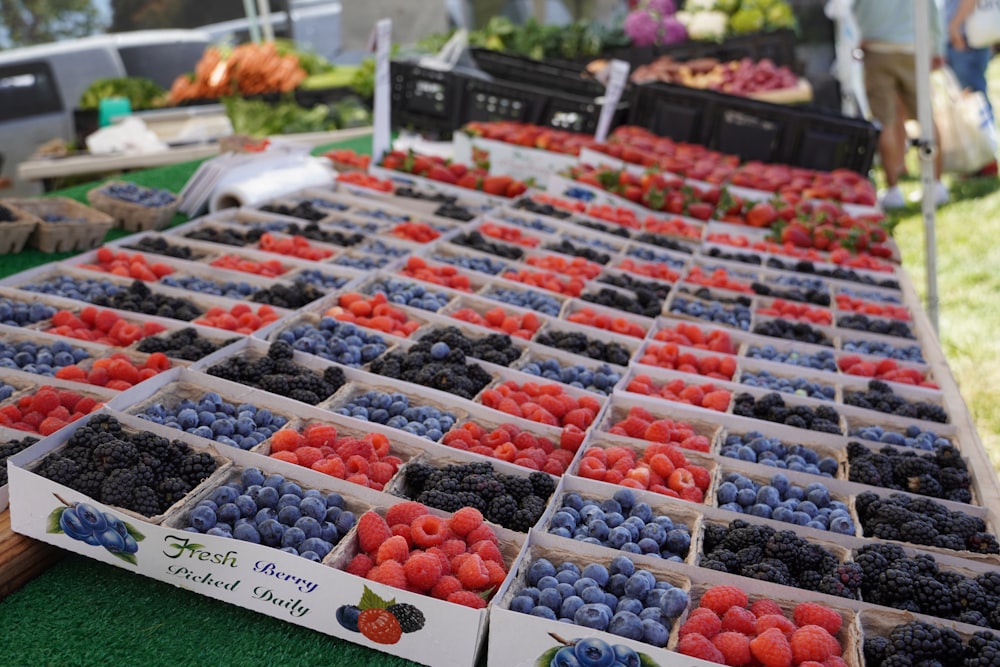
(509, 67)
(424, 99)
(498, 100)
(779, 46)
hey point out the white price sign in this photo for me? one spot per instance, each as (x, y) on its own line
(617, 77)
(382, 135)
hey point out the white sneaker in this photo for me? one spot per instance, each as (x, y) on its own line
(941, 195)
(892, 198)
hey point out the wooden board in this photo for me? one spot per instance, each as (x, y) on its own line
(21, 558)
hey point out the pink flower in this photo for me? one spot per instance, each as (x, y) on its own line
(663, 7)
(673, 30)
(642, 28)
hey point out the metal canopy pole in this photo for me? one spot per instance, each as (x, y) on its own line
(927, 148)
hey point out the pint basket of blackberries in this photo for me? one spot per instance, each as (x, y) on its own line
(135, 208)
(17, 226)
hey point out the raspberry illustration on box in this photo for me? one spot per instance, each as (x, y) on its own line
(382, 621)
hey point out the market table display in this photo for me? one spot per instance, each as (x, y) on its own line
(659, 364)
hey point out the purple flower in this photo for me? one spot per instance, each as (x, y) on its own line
(664, 7)
(642, 28)
(673, 30)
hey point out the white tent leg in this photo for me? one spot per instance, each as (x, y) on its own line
(927, 148)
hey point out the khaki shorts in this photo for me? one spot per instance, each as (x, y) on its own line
(886, 76)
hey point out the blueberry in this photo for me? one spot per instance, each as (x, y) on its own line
(523, 604)
(626, 624)
(595, 616)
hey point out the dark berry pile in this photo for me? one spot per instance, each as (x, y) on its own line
(819, 297)
(940, 474)
(861, 322)
(138, 298)
(922, 643)
(839, 273)
(185, 344)
(626, 281)
(771, 407)
(278, 374)
(314, 232)
(664, 242)
(455, 212)
(292, 296)
(744, 257)
(642, 302)
(305, 210)
(8, 449)
(440, 360)
(158, 245)
(578, 343)
(226, 235)
(777, 556)
(477, 241)
(414, 193)
(798, 331)
(509, 500)
(567, 247)
(614, 230)
(6, 215)
(881, 398)
(915, 583)
(139, 471)
(922, 521)
(529, 204)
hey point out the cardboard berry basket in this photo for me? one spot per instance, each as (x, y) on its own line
(824, 449)
(452, 253)
(496, 287)
(706, 330)
(504, 375)
(376, 281)
(393, 209)
(855, 385)
(196, 251)
(131, 216)
(521, 162)
(243, 217)
(644, 253)
(9, 436)
(705, 423)
(831, 386)
(733, 305)
(257, 577)
(303, 330)
(65, 224)
(88, 261)
(464, 195)
(879, 621)
(536, 353)
(666, 355)
(211, 227)
(16, 232)
(329, 306)
(631, 344)
(530, 221)
(680, 512)
(879, 428)
(632, 383)
(617, 321)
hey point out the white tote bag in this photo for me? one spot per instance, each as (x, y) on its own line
(968, 139)
(982, 28)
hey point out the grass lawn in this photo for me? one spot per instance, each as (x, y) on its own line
(968, 283)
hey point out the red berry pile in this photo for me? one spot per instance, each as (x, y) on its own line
(101, 326)
(670, 355)
(241, 318)
(547, 280)
(546, 403)
(791, 310)
(672, 227)
(700, 395)
(717, 278)
(519, 326)
(47, 410)
(662, 468)
(726, 628)
(365, 180)
(578, 267)
(374, 312)
(509, 443)
(649, 269)
(268, 268)
(687, 333)
(117, 371)
(366, 461)
(446, 275)
(127, 265)
(456, 559)
(894, 311)
(419, 232)
(639, 423)
(293, 246)
(621, 325)
(509, 234)
(884, 369)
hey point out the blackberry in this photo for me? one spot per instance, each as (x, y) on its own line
(934, 597)
(146, 501)
(767, 572)
(89, 481)
(118, 488)
(502, 509)
(968, 594)
(9, 449)
(784, 545)
(416, 475)
(918, 532)
(410, 618)
(715, 533)
(989, 582)
(195, 467)
(518, 487)
(809, 579)
(60, 470)
(917, 639)
(115, 454)
(973, 617)
(716, 565)
(470, 499)
(729, 559)
(876, 649)
(172, 489)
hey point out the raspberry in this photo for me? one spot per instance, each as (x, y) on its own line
(465, 520)
(497, 573)
(473, 573)
(720, 598)
(428, 530)
(285, 440)
(483, 532)
(734, 646)
(452, 548)
(404, 512)
(389, 573)
(360, 565)
(811, 642)
(769, 621)
(764, 606)
(372, 531)
(487, 550)
(810, 613)
(697, 646)
(445, 586)
(422, 570)
(771, 648)
(308, 456)
(394, 548)
(467, 598)
(703, 622)
(738, 619)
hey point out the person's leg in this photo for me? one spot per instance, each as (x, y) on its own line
(905, 74)
(969, 67)
(881, 91)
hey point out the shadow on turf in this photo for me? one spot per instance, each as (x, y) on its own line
(962, 189)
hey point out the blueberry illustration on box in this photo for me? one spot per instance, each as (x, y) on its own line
(592, 652)
(86, 523)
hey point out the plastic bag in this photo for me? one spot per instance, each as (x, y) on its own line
(968, 138)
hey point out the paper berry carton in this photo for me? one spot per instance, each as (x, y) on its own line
(207, 231)
(497, 288)
(482, 306)
(629, 344)
(180, 248)
(832, 448)
(393, 209)
(536, 354)
(681, 513)
(581, 309)
(377, 282)
(914, 350)
(303, 330)
(458, 280)
(455, 254)
(640, 379)
(254, 576)
(416, 320)
(642, 253)
(464, 195)
(521, 162)
(666, 328)
(855, 386)
(892, 430)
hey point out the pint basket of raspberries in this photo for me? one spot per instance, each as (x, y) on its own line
(135, 208)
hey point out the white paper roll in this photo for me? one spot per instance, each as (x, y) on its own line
(264, 180)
